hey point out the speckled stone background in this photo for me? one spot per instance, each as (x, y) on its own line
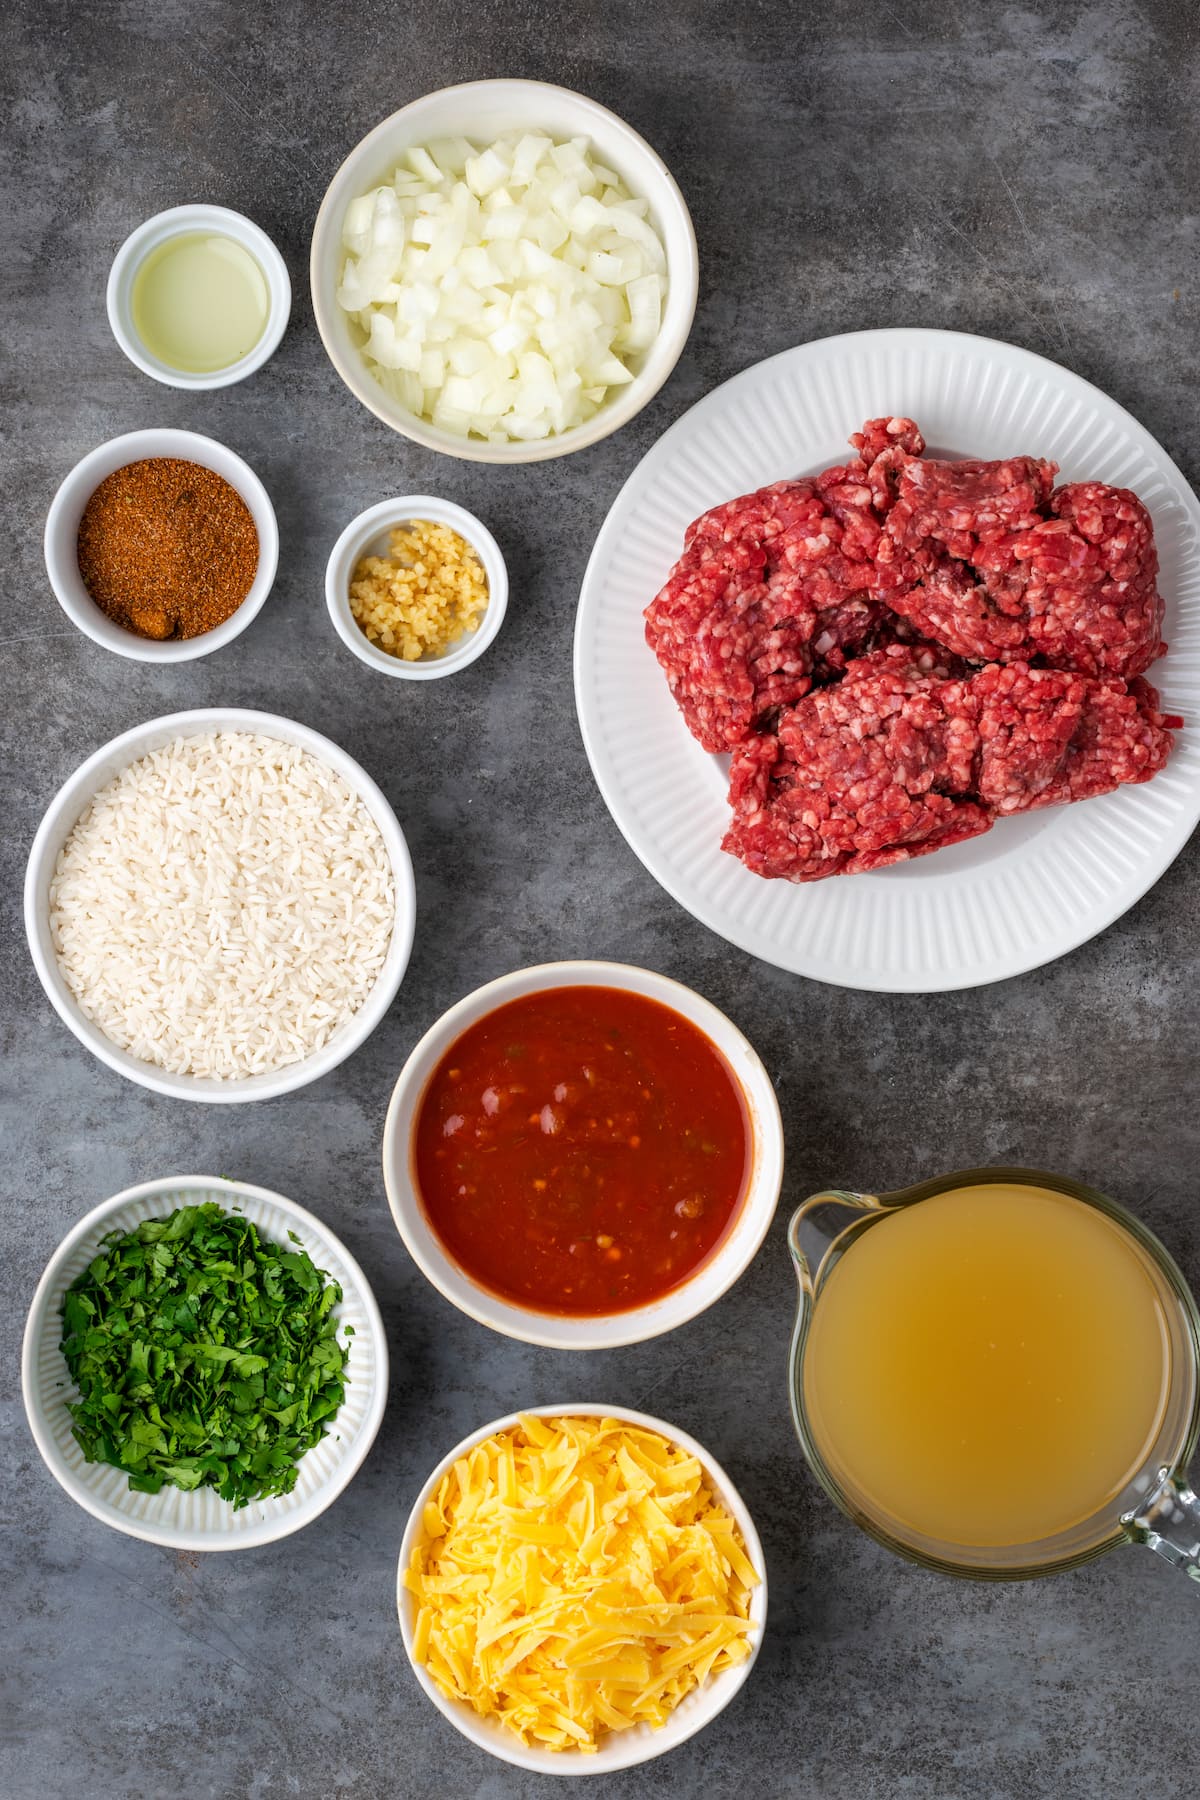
(1027, 173)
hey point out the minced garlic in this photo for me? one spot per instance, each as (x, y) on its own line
(423, 596)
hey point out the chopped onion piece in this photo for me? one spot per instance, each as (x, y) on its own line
(526, 157)
(486, 172)
(503, 291)
(507, 338)
(607, 269)
(422, 164)
(450, 154)
(505, 222)
(644, 298)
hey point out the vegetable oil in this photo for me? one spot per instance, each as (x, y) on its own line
(200, 302)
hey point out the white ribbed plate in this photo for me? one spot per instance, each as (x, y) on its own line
(200, 1520)
(1031, 888)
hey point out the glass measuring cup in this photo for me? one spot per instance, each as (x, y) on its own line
(1157, 1506)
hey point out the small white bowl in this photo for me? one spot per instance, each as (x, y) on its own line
(619, 1749)
(201, 1520)
(605, 1331)
(367, 535)
(56, 826)
(62, 541)
(177, 221)
(481, 111)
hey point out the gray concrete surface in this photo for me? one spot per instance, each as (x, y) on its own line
(1025, 173)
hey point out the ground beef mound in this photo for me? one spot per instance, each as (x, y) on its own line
(897, 651)
(896, 761)
(993, 561)
(1122, 738)
(870, 772)
(777, 590)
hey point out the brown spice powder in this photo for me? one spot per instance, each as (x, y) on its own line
(167, 548)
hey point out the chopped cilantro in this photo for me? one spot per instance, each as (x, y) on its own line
(205, 1356)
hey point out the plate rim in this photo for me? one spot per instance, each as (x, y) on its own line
(865, 981)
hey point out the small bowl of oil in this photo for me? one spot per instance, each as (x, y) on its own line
(198, 297)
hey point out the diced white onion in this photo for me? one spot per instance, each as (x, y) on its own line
(503, 291)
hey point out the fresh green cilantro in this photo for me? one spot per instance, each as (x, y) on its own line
(204, 1355)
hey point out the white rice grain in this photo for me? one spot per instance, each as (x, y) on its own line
(223, 906)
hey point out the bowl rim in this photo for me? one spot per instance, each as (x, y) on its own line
(720, 1690)
(78, 789)
(77, 487)
(352, 543)
(172, 222)
(636, 395)
(38, 1318)
(586, 1332)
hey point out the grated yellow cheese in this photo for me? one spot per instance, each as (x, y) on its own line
(576, 1576)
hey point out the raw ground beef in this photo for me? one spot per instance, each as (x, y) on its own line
(993, 561)
(1024, 721)
(1122, 738)
(903, 652)
(899, 650)
(775, 590)
(850, 780)
(895, 762)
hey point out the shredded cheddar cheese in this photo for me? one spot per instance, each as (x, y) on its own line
(576, 1576)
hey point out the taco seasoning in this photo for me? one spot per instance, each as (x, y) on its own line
(167, 548)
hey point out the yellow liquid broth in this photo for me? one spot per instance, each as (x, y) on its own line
(988, 1367)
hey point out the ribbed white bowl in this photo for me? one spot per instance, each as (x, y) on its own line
(619, 1749)
(200, 1520)
(1029, 890)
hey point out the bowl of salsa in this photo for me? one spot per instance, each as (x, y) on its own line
(583, 1154)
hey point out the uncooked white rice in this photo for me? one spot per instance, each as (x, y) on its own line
(223, 906)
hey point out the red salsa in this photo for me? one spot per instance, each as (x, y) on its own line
(581, 1150)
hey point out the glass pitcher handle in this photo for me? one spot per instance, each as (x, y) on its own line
(818, 1224)
(1169, 1523)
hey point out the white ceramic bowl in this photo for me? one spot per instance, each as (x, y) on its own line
(367, 535)
(619, 1749)
(606, 1331)
(481, 111)
(62, 537)
(201, 1520)
(177, 221)
(56, 826)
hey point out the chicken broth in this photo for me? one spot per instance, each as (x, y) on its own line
(988, 1366)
